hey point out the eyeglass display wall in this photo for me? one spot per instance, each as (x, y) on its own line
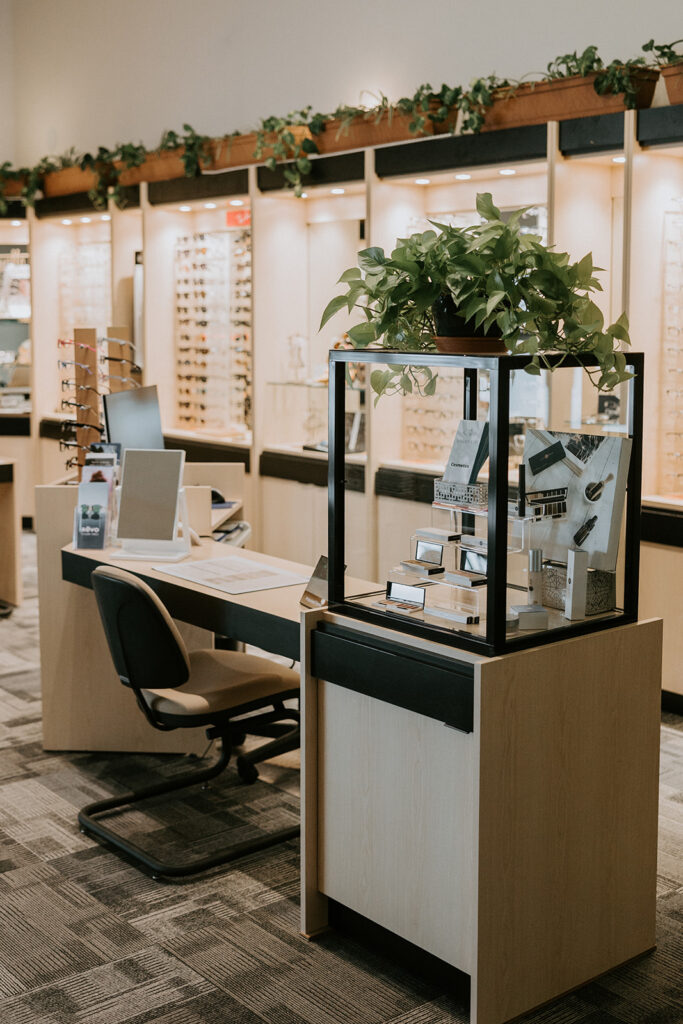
(213, 331)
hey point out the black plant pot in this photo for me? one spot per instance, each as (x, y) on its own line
(455, 335)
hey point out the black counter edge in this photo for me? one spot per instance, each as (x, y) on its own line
(307, 469)
(215, 612)
(672, 702)
(661, 526)
(15, 426)
(446, 152)
(599, 134)
(80, 202)
(397, 674)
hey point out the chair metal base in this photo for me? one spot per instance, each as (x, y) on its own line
(158, 869)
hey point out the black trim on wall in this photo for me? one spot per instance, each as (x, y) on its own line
(306, 469)
(599, 134)
(325, 170)
(659, 125)
(209, 451)
(80, 203)
(204, 186)
(411, 958)
(6, 472)
(672, 702)
(50, 429)
(429, 685)
(661, 526)
(405, 484)
(15, 210)
(443, 152)
(15, 426)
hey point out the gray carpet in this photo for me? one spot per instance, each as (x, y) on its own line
(86, 938)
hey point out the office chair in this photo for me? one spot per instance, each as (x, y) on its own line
(175, 689)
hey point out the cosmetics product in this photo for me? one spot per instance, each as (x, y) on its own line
(583, 531)
(511, 623)
(421, 568)
(577, 582)
(535, 583)
(531, 616)
(595, 490)
(441, 612)
(402, 599)
(440, 536)
(465, 578)
(521, 486)
(546, 458)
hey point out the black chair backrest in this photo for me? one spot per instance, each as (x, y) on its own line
(146, 647)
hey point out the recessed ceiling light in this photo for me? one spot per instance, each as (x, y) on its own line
(422, 181)
(463, 177)
(105, 216)
(209, 206)
(66, 222)
(184, 209)
(85, 220)
(237, 202)
(16, 223)
(618, 159)
(304, 195)
(507, 171)
(337, 191)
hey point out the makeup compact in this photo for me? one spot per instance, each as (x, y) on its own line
(428, 559)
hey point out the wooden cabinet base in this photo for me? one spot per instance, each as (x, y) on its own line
(523, 853)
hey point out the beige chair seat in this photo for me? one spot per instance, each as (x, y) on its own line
(221, 680)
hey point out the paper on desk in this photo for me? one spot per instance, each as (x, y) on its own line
(234, 575)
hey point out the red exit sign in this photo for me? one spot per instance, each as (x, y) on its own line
(238, 218)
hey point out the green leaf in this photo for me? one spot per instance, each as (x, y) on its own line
(363, 335)
(494, 299)
(406, 383)
(533, 369)
(485, 207)
(303, 165)
(349, 275)
(430, 387)
(309, 146)
(332, 307)
(371, 258)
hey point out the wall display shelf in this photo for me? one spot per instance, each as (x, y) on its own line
(565, 517)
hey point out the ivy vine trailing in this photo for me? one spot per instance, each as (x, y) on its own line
(292, 138)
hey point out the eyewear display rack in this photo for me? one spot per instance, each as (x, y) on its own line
(494, 640)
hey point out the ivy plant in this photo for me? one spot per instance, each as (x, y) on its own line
(497, 276)
(616, 78)
(664, 54)
(430, 105)
(475, 101)
(196, 148)
(288, 143)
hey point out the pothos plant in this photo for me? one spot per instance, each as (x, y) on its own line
(497, 277)
(107, 165)
(616, 77)
(290, 139)
(430, 105)
(664, 54)
(196, 148)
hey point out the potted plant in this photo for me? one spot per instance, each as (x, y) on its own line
(360, 127)
(485, 283)
(574, 85)
(670, 63)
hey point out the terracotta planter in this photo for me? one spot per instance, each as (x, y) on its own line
(561, 100)
(362, 132)
(238, 150)
(470, 346)
(673, 76)
(163, 166)
(68, 181)
(12, 189)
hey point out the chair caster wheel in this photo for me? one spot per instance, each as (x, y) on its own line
(247, 771)
(156, 878)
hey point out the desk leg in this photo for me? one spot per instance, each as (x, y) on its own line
(313, 903)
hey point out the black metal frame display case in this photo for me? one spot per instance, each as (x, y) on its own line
(495, 640)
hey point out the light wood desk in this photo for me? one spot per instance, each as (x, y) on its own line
(498, 813)
(10, 535)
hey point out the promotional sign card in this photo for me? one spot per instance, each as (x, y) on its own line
(469, 452)
(593, 468)
(92, 515)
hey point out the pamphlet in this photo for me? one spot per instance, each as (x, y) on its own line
(469, 452)
(91, 517)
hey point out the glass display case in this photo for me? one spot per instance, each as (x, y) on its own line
(513, 548)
